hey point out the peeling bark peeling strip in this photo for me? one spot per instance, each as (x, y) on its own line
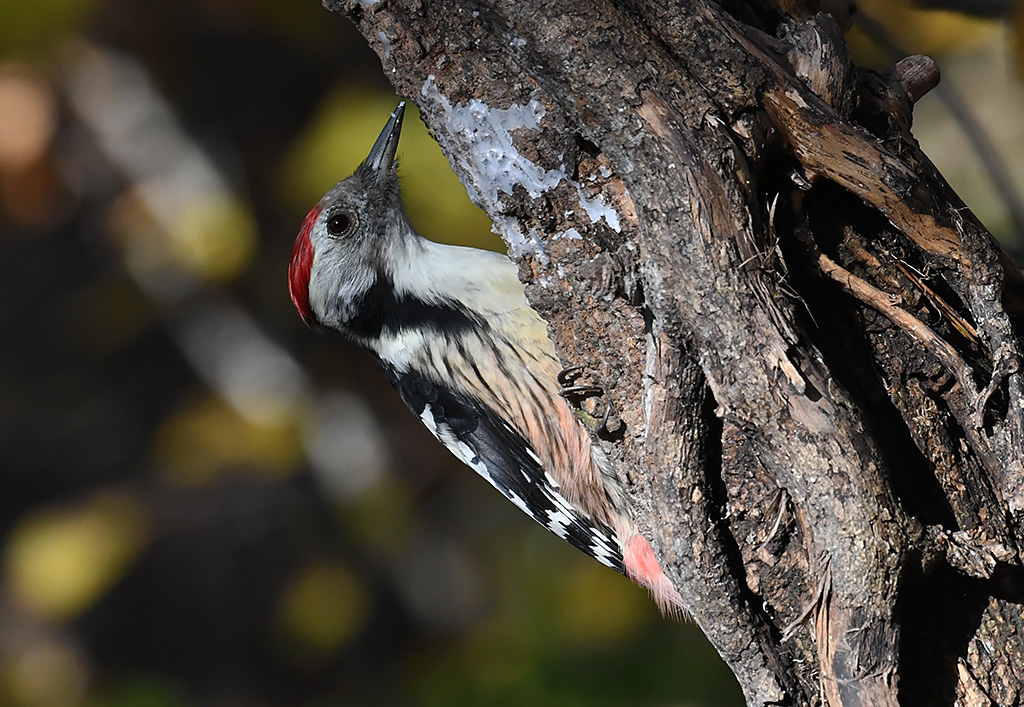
(385, 43)
(498, 165)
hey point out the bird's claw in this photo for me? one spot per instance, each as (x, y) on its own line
(575, 393)
(580, 390)
(567, 375)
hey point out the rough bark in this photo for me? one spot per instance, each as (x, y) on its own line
(811, 344)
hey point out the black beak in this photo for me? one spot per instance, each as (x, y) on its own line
(382, 155)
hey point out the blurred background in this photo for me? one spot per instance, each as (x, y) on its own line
(204, 503)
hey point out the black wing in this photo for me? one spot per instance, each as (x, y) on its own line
(479, 438)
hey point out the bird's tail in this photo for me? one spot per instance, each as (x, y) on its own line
(643, 568)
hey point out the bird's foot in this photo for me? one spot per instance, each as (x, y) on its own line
(575, 394)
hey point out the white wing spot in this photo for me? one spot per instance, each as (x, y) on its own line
(558, 523)
(518, 501)
(604, 554)
(462, 451)
(427, 418)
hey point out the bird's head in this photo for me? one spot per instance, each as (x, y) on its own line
(346, 239)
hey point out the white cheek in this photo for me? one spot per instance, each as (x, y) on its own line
(335, 285)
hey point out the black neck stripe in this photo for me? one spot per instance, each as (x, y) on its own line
(381, 310)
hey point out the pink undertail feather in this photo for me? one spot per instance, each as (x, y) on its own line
(643, 568)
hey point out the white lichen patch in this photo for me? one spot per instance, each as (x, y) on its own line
(520, 244)
(570, 234)
(385, 43)
(597, 209)
(497, 165)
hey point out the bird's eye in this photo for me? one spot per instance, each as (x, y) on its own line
(338, 224)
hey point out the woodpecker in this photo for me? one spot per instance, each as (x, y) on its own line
(452, 331)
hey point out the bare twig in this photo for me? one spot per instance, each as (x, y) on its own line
(910, 324)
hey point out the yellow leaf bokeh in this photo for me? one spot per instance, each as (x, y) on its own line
(216, 237)
(324, 606)
(208, 438)
(338, 140)
(46, 672)
(929, 32)
(61, 559)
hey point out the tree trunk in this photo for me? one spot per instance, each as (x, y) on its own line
(812, 346)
